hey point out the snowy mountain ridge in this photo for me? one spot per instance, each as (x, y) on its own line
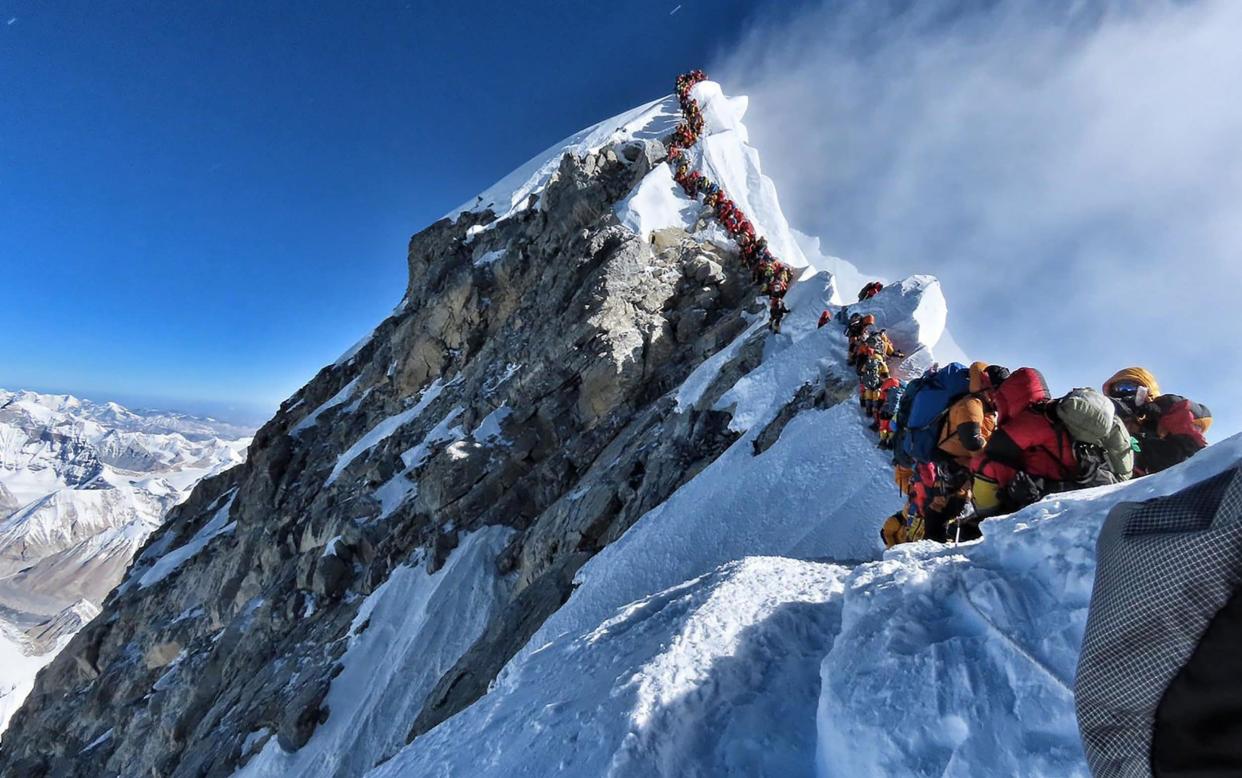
(116, 417)
(82, 485)
(573, 510)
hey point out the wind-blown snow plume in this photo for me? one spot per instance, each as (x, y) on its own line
(1072, 175)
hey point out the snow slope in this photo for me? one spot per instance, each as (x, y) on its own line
(682, 652)
(933, 660)
(395, 656)
(992, 629)
(688, 682)
(18, 669)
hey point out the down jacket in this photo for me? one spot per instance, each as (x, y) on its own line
(1026, 438)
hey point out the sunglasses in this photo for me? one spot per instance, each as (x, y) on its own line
(1127, 389)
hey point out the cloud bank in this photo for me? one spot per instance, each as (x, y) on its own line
(1073, 175)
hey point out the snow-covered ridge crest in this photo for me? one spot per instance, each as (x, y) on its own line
(513, 193)
(724, 155)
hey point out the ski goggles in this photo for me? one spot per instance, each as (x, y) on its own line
(1124, 388)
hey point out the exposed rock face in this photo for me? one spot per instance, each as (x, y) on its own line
(524, 381)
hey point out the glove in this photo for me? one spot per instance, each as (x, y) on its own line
(1024, 489)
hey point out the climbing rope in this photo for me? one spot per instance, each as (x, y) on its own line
(772, 276)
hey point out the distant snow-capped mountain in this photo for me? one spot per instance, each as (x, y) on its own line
(82, 485)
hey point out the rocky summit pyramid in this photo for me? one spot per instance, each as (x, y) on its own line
(573, 509)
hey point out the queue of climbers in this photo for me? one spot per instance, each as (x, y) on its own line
(772, 276)
(975, 441)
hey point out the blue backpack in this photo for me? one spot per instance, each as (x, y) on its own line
(936, 392)
(901, 421)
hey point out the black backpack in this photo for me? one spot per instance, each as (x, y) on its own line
(872, 372)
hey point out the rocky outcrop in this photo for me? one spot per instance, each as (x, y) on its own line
(523, 381)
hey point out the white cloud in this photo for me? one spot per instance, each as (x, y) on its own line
(1074, 177)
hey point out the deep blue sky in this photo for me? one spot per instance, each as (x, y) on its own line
(203, 203)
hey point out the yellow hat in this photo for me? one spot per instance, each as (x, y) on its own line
(1138, 375)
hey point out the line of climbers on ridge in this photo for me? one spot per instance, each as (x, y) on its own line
(967, 442)
(979, 441)
(772, 276)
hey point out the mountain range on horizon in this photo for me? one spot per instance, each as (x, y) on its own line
(82, 485)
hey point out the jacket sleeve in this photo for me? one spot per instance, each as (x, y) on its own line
(971, 435)
(969, 425)
(1179, 420)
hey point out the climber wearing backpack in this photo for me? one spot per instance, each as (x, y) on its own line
(856, 331)
(727, 214)
(776, 313)
(884, 345)
(1025, 442)
(759, 272)
(1032, 452)
(904, 526)
(878, 344)
(774, 279)
(874, 344)
(972, 417)
(941, 488)
(1102, 444)
(871, 376)
(922, 411)
(965, 430)
(1168, 428)
(939, 494)
(890, 397)
(1172, 429)
(782, 277)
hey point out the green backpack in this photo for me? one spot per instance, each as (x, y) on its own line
(1091, 418)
